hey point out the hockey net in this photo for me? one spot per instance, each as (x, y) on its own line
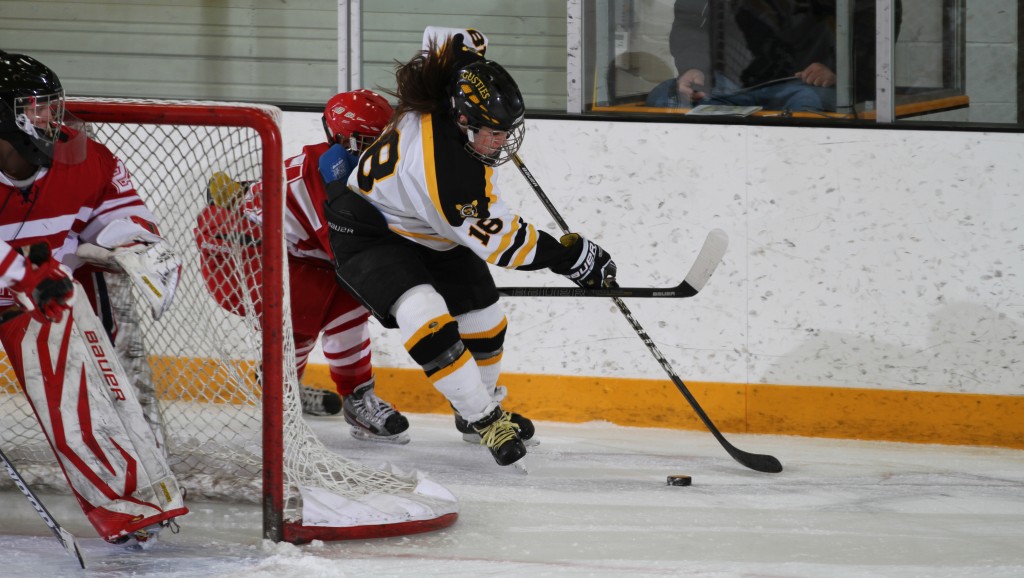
(220, 388)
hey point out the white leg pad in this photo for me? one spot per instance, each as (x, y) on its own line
(88, 408)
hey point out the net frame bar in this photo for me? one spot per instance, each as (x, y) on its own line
(272, 256)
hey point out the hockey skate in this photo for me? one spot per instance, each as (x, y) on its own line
(123, 522)
(500, 434)
(372, 418)
(146, 538)
(526, 429)
(316, 401)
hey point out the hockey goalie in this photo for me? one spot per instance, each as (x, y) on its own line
(64, 200)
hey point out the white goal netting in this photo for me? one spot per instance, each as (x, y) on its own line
(202, 367)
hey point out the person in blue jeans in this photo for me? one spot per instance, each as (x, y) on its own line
(792, 52)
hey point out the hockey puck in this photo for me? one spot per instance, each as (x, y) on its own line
(679, 480)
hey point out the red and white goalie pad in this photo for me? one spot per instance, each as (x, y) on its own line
(89, 412)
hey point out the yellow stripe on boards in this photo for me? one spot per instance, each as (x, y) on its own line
(829, 412)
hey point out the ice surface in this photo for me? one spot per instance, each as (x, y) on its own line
(596, 503)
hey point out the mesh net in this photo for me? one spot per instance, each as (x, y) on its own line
(198, 368)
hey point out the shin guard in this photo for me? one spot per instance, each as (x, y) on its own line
(483, 332)
(431, 337)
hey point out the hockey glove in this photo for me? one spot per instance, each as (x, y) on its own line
(154, 269)
(594, 266)
(336, 163)
(223, 191)
(46, 290)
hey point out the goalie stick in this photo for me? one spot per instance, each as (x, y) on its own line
(66, 539)
(703, 267)
(756, 462)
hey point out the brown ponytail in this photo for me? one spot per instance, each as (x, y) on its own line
(422, 83)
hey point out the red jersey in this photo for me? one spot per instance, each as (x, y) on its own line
(62, 206)
(305, 228)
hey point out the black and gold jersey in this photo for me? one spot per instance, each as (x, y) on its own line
(429, 190)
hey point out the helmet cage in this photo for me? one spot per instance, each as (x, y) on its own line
(40, 116)
(513, 140)
(357, 143)
(39, 120)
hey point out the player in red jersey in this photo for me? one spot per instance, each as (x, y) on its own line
(60, 190)
(320, 307)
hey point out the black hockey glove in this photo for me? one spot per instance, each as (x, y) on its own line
(593, 267)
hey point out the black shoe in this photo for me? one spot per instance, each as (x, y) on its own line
(374, 419)
(498, 433)
(526, 429)
(316, 401)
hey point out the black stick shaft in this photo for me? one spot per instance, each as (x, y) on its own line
(66, 539)
(679, 291)
(757, 462)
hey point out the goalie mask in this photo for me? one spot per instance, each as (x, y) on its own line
(489, 99)
(32, 116)
(355, 119)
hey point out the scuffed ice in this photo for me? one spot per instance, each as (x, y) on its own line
(596, 503)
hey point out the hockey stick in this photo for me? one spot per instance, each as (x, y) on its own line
(66, 539)
(756, 462)
(703, 266)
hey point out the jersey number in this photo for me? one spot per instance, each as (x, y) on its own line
(378, 162)
(484, 229)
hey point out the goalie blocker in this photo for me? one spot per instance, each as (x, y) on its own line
(148, 260)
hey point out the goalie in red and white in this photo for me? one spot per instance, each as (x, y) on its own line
(59, 192)
(320, 307)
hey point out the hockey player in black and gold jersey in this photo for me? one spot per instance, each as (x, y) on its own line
(421, 218)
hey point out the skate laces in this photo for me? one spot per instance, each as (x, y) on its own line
(499, 432)
(374, 407)
(311, 397)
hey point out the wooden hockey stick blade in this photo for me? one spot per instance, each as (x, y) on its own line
(703, 267)
(66, 539)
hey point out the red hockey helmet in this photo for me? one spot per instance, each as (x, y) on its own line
(355, 119)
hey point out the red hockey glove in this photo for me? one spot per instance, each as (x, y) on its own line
(45, 291)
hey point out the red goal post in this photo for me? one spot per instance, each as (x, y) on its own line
(224, 383)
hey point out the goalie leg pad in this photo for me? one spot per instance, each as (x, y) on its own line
(431, 336)
(89, 412)
(111, 297)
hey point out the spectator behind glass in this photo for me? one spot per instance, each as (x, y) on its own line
(777, 54)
